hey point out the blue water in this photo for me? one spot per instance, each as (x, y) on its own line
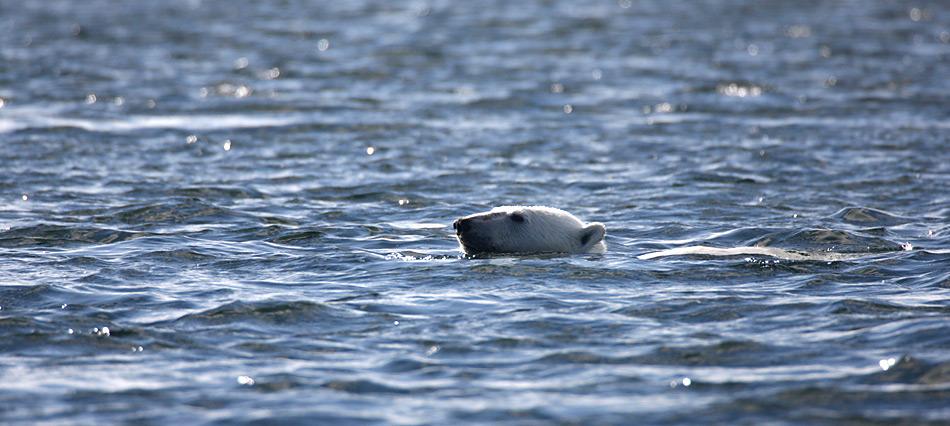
(219, 212)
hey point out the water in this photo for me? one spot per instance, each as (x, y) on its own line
(219, 212)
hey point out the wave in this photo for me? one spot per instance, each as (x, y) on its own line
(49, 235)
(267, 312)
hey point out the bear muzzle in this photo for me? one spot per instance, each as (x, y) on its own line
(462, 225)
(469, 236)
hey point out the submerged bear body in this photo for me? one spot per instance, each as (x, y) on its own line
(528, 230)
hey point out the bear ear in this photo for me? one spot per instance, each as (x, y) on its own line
(592, 234)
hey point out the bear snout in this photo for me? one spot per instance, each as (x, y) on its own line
(462, 225)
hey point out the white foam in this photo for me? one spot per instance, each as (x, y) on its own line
(25, 118)
(750, 251)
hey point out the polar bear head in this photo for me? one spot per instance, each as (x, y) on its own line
(535, 229)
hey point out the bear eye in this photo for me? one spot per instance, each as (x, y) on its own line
(517, 217)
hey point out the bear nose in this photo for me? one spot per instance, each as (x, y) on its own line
(462, 225)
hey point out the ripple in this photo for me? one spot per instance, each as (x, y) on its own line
(268, 313)
(869, 217)
(364, 387)
(839, 241)
(866, 307)
(909, 370)
(726, 353)
(181, 211)
(296, 237)
(49, 235)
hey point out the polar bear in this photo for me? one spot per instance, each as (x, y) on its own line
(527, 230)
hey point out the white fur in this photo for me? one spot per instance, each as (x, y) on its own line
(542, 230)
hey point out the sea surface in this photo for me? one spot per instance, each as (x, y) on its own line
(230, 212)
